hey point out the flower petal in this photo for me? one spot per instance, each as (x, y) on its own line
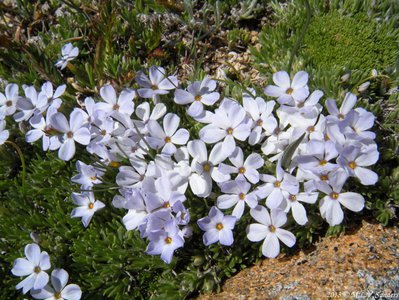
(71, 292)
(260, 214)
(211, 134)
(67, 150)
(32, 253)
(300, 80)
(22, 267)
(271, 246)
(180, 137)
(282, 79)
(108, 94)
(352, 201)
(256, 232)
(286, 237)
(59, 279)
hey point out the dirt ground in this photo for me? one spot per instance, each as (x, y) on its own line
(363, 264)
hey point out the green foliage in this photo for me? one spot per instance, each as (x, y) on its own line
(355, 42)
(238, 39)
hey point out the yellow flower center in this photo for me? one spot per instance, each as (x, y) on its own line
(334, 195)
(292, 198)
(114, 164)
(323, 162)
(57, 295)
(93, 178)
(37, 269)
(206, 167)
(326, 137)
(241, 196)
(352, 165)
(154, 87)
(300, 104)
(324, 177)
(9, 103)
(272, 228)
(219, 226)
(166, 204)
(116, 107)
(341, 116)
(91, 205)
(277, 184)
(289, 91)
(259, 122)
(167, 139)
(229, 130)
(198, 98)
(168, 240)
(241, 170)
(69, 134)
(103, 132)
(311, 129)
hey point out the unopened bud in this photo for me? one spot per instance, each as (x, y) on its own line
(374, 73)
(364, 86)
(345, 77)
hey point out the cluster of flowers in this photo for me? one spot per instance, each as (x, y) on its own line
(35, 266)
(163, 163)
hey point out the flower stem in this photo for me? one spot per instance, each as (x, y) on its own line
(22, 158)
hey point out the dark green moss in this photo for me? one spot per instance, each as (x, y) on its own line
(335, 41)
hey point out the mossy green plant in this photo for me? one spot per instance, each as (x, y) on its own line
(355, 42)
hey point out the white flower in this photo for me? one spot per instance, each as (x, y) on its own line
(317, 157)
(236, 194)
(354, 161)
(288, 92)
(205, 169)
(260, 112)
(41, 129)
(69, 52)
(88, 175)
(59, 289)
(357, 124)
(293, 202)
(227, 125)
(330, 205)
(34, 265)
(123, 104)
(132, 176)
(102, 128)
(87, 206)
(338, 116)
(27, 105)
(199, 93)
(218, 227)
(50, 98)
(269, 230)
(72, 131)
(273, 189)
(247, 168)
(165, 241)
(167, 137)
(4, 134)
(144, 113)
(157, 84)
(8, 101)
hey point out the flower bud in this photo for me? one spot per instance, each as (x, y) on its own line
(364, 86)
(345, 77)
